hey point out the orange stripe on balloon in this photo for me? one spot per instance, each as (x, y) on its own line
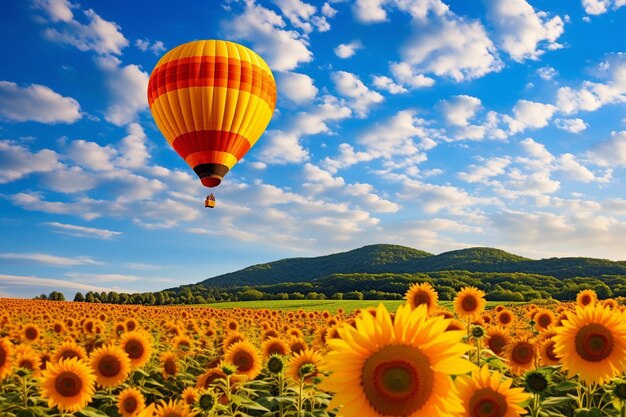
(212, 71)
(211, 140)
(210, 157)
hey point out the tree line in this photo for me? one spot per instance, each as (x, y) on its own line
(497, 286)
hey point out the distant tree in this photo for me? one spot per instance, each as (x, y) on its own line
(124, 298)
(113, 297)
(337, 296)
(56, 296)
(199, 300)
(149, 299)
(250, 295)
(89, 297)
(282, 296)
(353, 295)
(41, 297)
(79, 297)
(296, 296)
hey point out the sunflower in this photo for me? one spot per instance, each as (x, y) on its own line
(245, 357)
(31, 333)
(469, 303)
(311, 357)
(592, 343)
(423, 293)
(136, 344)
(68, 384)
(544, 319)
(297, 345)
(183, 345)
(6, 350)
(546, 352)
(274, 346)
(69, 349)
(231, 338)
(505, 317)
(399, 368)
(521, 354)
(130, 402)
(170, 366)
(27, 358)
(489, 395)
(111, 365)
(210, 377)
(497, 339)
(190, 395)
(586, 297)
(177, 408)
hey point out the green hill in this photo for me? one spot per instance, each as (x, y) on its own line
(368, 259)
(378, 259)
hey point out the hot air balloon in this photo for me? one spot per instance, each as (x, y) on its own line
(212, 100)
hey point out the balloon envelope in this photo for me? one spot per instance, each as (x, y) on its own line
(212, 100)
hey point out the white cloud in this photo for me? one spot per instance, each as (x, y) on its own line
(156, 47)
(303, 15)
(368, 11)
(597, 7)
(431, 198)
(347, 50)
(521, 31)
(49, 284)
(362, 98)
(282, 148)
(91, 155)
(105, 277)
(296, 87)
(571, 125)
(394, 137)
(283, 49)
(530, 114)
(69, 179)
(492, 167)
(97, 35)
(462, 108)
(347, 157)
(127, 86)
(328, 11)
(133, 152)
(453, 47)
(547, 72)
(572, 169)
(385, 83)
(611, 152)
(47, 259)
(405, 75)
(593, 95)
(36, 103)
(82, 231)
(18, 161)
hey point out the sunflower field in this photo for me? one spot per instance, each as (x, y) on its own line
(90, 360)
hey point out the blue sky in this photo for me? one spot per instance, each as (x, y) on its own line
(436, 125)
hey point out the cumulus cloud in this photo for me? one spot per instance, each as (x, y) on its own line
(361, 97)
(98, 34)
(491, 167)
(18, 161)
(530, 115)
(283, 49)
(593, 95)
(611, 152)
(296, 87)
(597, 7)
(451, 46)
(36, 103)
(127, 85)
(521, 31)
(145, 44)
(460, 109)
(347, 50)
(282, 148)
(385, 83)
(405, 75)
(571, 125)
(303, 15)
(547, 72)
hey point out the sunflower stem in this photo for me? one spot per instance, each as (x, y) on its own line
(281, 411)
(622, 411)
(477, 352)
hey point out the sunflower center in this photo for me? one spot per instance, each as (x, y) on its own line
(134, 349)
(487, 403)
(169, 366)
(109, 366)
(550, 351)
(68, 354)
(68, 384)
(276, 349)
(544, 320)
(522, 353)
(397, 380)
(594, 342)
(421, 297)
(243, 361)
(31, 333)
(469, 303)
(496, 343)
(585, 299)
(130, 404)
(3, 356)
(172, 414)
(505, 318)
(26, 364)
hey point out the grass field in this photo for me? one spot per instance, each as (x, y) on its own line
(329, 305)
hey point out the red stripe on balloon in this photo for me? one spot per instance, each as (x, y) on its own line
(211, 140)
(212, 71)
